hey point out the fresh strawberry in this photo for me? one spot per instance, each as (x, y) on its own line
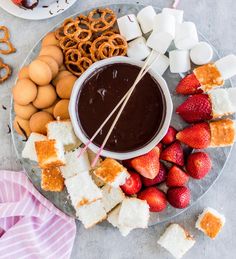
(196, 136)
(176, 177)
(160, 146)
(179, 197)
(189, 85)
(196, 108)
(161, 177)
(28, 4)
(147, 165)
(174, 154)
(198, 165)
(155, 198)
(133, 184)
(170, 136)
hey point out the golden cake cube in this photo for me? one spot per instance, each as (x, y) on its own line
(50, 153)
(112, 172)
(208, 76)
(52, 180)
(210, 222)
(222, 133)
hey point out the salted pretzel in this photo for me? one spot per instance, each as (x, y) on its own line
(95, 46)
(110, 32)
(101, 19)
(106, 50)
(7, 71)
(79, 67)
(72, 55)
(85, 48)
(59, 33)
(119, 43)
(70, 29)
(6, 41)
(68, 43)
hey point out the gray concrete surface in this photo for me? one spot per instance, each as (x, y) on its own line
(214, 18)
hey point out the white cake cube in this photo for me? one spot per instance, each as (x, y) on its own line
(91, 214)
(227, 66)
(75, 165)
(134, 213)
(111, 197)
(62, 131)
(82, 189)
(29, 149)
(176, 240)
(113, 217)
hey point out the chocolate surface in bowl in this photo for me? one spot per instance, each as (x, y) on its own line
(142, 117)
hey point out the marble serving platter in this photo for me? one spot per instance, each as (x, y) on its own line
(198, 188)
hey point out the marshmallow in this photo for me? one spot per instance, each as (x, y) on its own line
(179, 61)
(160, 42)
(178, 14)
(201, 53)
(138, 49)
(146, 18)
(161, 63)
(129, 27)
(164, 23)
(227, 66)
(186, 36)
(232, 97)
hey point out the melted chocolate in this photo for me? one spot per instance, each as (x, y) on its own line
(142, 117)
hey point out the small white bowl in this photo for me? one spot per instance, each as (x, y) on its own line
(120, 155)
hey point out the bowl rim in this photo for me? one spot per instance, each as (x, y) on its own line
(120, 155)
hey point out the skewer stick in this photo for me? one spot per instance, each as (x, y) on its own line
(141, 74)
(175, 4)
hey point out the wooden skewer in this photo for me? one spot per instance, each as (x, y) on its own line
(141, 74)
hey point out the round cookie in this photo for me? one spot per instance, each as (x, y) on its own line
(61, 110)
(39, 121)
(51, 108)
(51, 62)
(65, 85)
(24, 92)
(23, 73)
(25, 111)
(50, 39)
(22, 126)
(46, 97)
(40, 72)
(60, 75)
(54, 52)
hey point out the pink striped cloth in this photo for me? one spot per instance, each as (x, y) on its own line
(30, 225)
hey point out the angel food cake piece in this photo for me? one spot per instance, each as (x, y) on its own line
(112, 172)
(50, 153)
(111, 197)
(52, 180)
(210, 222)
(82, 189)
(75, 165)
(176, 240)
(29, 150)
(91, 214)
(62, 131)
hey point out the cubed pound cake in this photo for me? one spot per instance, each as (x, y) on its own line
(29, 149)
(210, 222)
(111, 172)
(82, 190)
(176, 240)
(52, 180)
(50, 153)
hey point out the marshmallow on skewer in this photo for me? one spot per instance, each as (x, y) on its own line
(160, 42)
(161, 64)
(178, 14)
(179, 61)
(138, 49)
(129, 27)
(201, 53)
(146, 18)
(164, 23)
(227, 66)
(186, 36)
